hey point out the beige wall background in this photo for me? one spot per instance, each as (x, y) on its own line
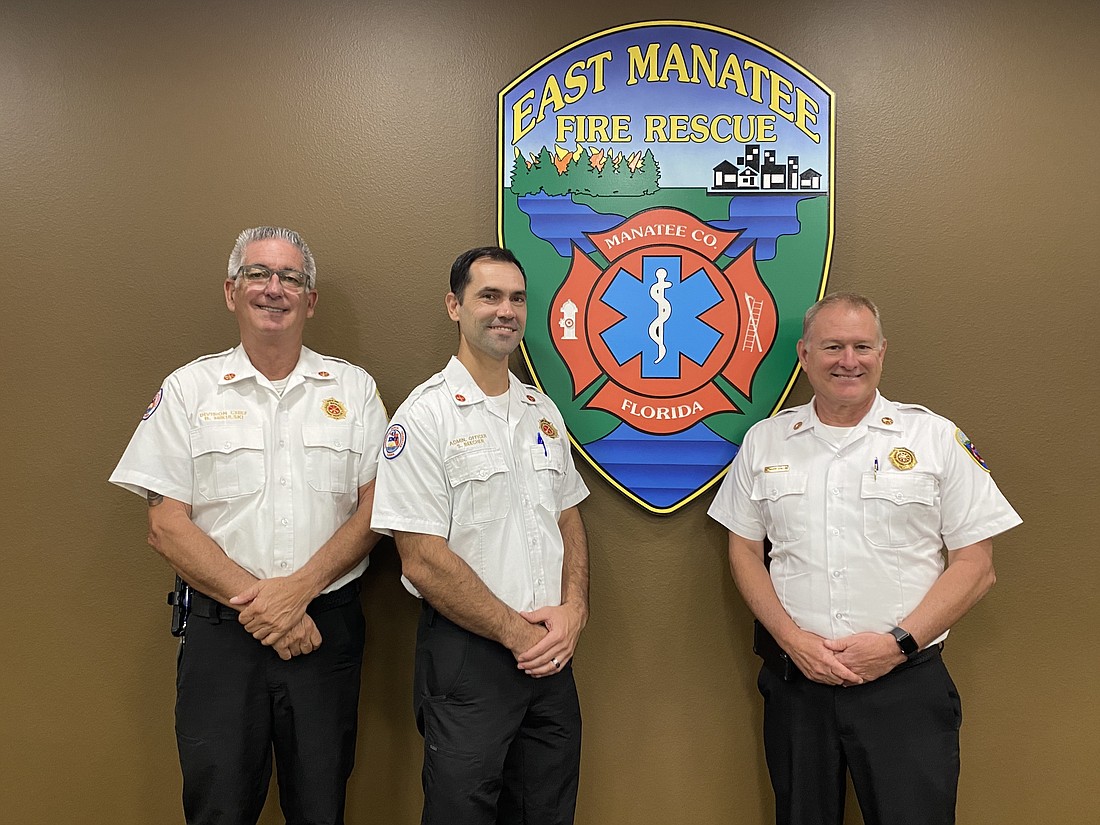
(137, 138)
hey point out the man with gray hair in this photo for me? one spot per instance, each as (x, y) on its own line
(258, 467)
(859, 497)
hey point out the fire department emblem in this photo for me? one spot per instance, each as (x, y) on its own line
(667, 188)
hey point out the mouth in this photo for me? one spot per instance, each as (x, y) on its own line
(271, 309)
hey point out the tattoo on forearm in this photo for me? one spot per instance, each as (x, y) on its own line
(154, 498)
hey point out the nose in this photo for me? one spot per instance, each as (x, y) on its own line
(848, 358)
(505, 309)
(273, 286)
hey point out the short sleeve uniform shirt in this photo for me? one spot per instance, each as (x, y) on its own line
(269, 478)
(857, 528)
(493, 488)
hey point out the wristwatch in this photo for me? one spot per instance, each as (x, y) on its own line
(906, 643)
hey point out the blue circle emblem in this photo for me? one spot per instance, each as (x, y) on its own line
(395, 441)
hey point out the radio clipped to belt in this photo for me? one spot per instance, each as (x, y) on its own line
(180, 599)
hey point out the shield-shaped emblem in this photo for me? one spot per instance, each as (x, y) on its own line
(667, 187)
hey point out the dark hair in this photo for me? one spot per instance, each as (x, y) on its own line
(460, 269)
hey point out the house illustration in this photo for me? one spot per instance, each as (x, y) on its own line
(763, 174)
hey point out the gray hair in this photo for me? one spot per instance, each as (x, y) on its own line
(850, 299)
(263, 233)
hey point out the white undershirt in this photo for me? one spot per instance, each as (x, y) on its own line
(498, 405)
(834, 435)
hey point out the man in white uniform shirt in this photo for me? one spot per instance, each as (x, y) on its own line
(479, 490)
(258, 465)
(859, 496)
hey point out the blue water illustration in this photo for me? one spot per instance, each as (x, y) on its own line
(687, 461)
(762, 219)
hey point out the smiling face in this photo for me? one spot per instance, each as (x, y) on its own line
(492, 312)
(842, 355)
(268, 310)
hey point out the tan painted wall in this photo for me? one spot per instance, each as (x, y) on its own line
(136, 139)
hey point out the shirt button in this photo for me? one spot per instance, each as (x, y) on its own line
(836, 491)
(897, 496)
(228, 444)
(837, 574)
(835, 532)
(336, 444)
(282, 443)
(284, 522)
(840, 615)
(284, 564)
(282, 481)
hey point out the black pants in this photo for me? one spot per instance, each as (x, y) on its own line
(500, 748)
(897, 735)
(236, 700)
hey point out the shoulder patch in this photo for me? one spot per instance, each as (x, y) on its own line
(152, 408)
(968, 445)
(395, 441)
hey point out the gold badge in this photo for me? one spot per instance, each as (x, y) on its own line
(324, 374)
(887, 421)
(778, 468)
(334, 409)
(548, 429)
(903, 458)
(798, 425)
(229, 376)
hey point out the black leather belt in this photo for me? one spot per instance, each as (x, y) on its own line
(208, 608)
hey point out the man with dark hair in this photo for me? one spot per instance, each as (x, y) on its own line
(479, 490)
(859, 497)
(258, 465)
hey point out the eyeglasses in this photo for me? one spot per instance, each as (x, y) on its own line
(291, 279)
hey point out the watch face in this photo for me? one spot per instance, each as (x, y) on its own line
(906, 642)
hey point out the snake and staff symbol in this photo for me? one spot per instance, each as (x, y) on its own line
(664, 312)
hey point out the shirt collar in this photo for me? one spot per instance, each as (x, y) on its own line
(883, 415)
(239, 368)
(464, 391)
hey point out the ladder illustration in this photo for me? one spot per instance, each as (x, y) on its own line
(752, 339)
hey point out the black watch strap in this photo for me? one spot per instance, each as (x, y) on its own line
(906, 643)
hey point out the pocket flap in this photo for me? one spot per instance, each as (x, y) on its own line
(548, 457)
(900, 488)
(225, 439)
(474, 465)
(773, 486)
(349, 436)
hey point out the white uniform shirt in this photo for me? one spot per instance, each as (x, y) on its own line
(855, 549)
(268, 478)
(493, 489)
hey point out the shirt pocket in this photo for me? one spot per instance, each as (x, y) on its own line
(333, 453)
(782, 496)
(479, 482)
(229, 461)
(895, 505)
(548, 460)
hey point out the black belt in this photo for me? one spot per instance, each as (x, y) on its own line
(208, 608)
(779, 663)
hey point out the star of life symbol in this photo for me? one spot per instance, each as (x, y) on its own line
(662, 326)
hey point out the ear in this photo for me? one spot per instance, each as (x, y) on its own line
(453, 304)
(230, 297)
(801, 350)
(311, 302)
